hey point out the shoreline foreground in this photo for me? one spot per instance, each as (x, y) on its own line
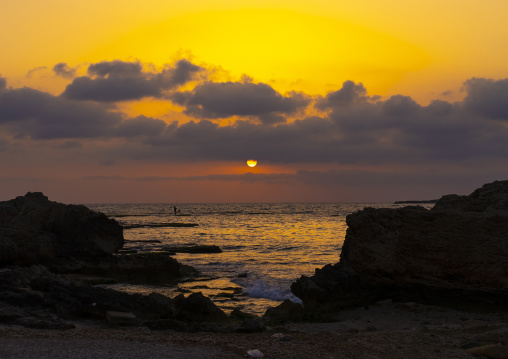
(384, 331)
(410, 283)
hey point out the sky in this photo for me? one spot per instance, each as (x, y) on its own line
(338, 101)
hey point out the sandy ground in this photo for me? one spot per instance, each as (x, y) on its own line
(382, 331)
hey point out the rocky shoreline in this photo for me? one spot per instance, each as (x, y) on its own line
(455, 254)
(384, 331)
(439, 277)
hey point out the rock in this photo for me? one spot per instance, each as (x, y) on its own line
(493, 351)
(198, 308)
(177, 224)
(44, 292)
(251, 326)
(35, 230)
(238, 314)
(474, 324)
(21, 297)
(470, 344)
(9, 313)
(384, 303)
(255, 353)
(282, 337)
(89, 279)
(88, 302)
(194, 249)
(454, 254)
(120, 317)
(46, 300)
(335, 287)
(490, 197)
(493, 336)
(286, 311)
(147, 268)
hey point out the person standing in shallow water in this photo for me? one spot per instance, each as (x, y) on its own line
(174, 207)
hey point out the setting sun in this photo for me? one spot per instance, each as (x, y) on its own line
(252, 163)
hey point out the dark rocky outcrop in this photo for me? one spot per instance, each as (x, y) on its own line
(35, 230)
(49, 250)
(74, 239)
(287, 311)
(177, 224)
(454, 254)
(144, 268)
(33, 296)
(198, 308)
(194, 249)
(193, 314)
(39, 292)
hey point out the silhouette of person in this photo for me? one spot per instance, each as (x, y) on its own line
(175, 209)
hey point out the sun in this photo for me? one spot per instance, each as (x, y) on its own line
(252, 163)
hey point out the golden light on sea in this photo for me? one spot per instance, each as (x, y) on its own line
(252, 163)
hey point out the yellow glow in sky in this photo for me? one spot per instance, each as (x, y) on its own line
(414, 48)
(290, 50)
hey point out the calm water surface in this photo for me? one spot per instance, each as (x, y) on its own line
(265, 246)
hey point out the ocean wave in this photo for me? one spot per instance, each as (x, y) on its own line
(261, 290)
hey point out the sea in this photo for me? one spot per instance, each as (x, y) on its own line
(265, 246)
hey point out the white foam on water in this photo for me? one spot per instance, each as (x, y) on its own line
(261, 290)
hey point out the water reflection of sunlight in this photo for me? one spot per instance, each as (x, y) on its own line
(277, 247)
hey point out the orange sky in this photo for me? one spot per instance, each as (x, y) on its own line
(165, 101)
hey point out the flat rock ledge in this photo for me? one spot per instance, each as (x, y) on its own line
(455, 254)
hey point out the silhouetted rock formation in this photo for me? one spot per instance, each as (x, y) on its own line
(140, 268)
(35, 230)
(204, 248)
(74, 239)
(286, 311)
(456, 253)
(198, 308)
(35, 294)
(46, 251)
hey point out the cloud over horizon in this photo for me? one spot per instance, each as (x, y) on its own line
(345, 127)
(112, 81)
(356, 129)
(226, 99)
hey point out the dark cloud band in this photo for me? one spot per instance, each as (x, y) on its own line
(113, 81)
(356, 128)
